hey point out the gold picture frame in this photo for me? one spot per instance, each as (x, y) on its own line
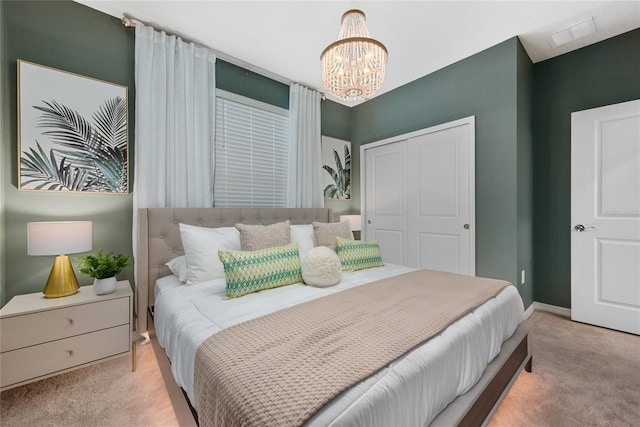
(73, 132)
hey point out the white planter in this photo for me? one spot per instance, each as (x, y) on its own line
(104, 286)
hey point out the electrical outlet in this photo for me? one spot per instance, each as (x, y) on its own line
(522, 277)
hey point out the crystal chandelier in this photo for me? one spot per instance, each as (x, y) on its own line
(353, 66)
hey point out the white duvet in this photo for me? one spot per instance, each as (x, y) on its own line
(410, 391)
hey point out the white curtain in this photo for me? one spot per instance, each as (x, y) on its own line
(175, 125)
(175, 122)
(305, 162)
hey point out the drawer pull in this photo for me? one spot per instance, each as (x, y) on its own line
(72, 322)
(71, 353)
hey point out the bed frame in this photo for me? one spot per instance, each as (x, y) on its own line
(159, 241)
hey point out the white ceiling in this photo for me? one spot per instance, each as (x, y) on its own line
(284, 39)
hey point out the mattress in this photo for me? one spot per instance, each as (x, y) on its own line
(434, 373)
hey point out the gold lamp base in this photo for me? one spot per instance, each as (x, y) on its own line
(62, 280)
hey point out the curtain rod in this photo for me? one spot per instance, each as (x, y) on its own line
(130, 22)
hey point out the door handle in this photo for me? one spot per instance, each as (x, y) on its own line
(582, 228)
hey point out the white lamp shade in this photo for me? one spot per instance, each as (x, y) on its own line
(59, 237)
(354, 220)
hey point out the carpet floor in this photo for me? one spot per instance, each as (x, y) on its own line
(106, 394)
(582, 376)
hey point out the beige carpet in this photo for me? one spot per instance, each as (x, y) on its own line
(105, 394)
(582, 376)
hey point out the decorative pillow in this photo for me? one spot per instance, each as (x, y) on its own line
(256, 237)
(326, 233)
(303, 236)
(357, 255)
(201, 246)
(252, 271)
(321, 267)
(178, 267)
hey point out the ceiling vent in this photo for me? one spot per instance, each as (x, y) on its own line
(572, 32)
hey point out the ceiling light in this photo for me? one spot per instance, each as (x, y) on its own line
(572, 32)
(353, 67)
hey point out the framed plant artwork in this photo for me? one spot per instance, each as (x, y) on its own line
(72, 132)
(336, 165)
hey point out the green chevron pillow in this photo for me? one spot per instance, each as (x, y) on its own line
(357, 255)
(252, 271)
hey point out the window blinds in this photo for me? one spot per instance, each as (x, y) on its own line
(251, 151)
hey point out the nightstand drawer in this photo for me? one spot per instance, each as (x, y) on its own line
(36, 328)
(46, 359)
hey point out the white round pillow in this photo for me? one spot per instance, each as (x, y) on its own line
(321, 267)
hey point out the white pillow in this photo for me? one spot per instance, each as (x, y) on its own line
(201, 246)
(178, 267)
(321, 267)
(303, 235)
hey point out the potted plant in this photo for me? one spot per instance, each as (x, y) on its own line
(103, 268)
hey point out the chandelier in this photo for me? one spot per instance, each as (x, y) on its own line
(353, 66)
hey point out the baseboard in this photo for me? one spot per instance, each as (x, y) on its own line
(560, 311)
(529, 311)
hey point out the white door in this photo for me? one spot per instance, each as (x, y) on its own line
(385, 218)
(605, 216)
(440, 220)
(418, 197)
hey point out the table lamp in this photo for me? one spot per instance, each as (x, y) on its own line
(59, 238)
(354, 220)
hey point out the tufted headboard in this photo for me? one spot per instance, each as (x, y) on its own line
(159, 241)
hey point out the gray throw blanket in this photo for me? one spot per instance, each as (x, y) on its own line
(279, 369)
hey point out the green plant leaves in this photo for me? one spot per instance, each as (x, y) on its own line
(101, 266)
(341, 175)
(49, 173)
(93, 155)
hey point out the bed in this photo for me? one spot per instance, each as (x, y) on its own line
(185, 316)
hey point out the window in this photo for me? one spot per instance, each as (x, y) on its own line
(252, 153)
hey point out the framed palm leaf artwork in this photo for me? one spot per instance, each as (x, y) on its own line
(72, 132)
(336, 165)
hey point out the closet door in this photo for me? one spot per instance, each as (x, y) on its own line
(418, 197)
(385, 211)
(440, 221)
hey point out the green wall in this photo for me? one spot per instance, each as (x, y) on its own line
(235, 79)
(4, 135)
(486, 85)
(70, 37)
(336, 120)
(524, 161)
(336, 123)
(601, 74)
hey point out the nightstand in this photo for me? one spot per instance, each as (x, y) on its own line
(42, 337)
